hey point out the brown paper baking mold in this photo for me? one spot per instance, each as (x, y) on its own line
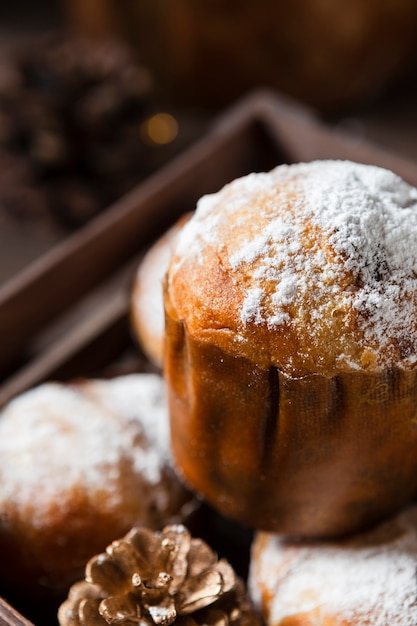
(314, 456)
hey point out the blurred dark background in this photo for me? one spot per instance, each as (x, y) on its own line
(22, 16)
(95, 95)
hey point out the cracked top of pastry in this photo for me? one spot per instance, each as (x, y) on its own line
(311, 267)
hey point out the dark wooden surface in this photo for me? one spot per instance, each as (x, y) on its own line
(8, 615)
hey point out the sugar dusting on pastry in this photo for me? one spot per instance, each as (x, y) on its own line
(139, 399)
(346, 240)
(369, 579)
(57, 438)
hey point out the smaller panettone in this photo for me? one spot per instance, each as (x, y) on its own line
(158, 579)
(81, 464)
(366, 579)
(147, 305)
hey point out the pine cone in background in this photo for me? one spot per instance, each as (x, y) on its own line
(158, 579)
(76, 129)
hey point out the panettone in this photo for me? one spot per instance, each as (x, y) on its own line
(79, 465)
(147, 304)
(291, 348)
(369, 578)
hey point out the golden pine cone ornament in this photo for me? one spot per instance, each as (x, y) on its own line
(158, 579)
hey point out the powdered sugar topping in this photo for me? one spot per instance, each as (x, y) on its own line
(326, 232)
(139, 399)
(56, 438)
(368, 580)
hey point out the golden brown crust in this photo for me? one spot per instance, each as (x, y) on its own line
(228, 255)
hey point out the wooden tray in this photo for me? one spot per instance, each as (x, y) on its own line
(68, 314)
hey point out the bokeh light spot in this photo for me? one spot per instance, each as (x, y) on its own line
(160, 129)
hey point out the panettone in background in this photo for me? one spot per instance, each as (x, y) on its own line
(368, 578)
(329, 54)
(80, 464)
(147, 302)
